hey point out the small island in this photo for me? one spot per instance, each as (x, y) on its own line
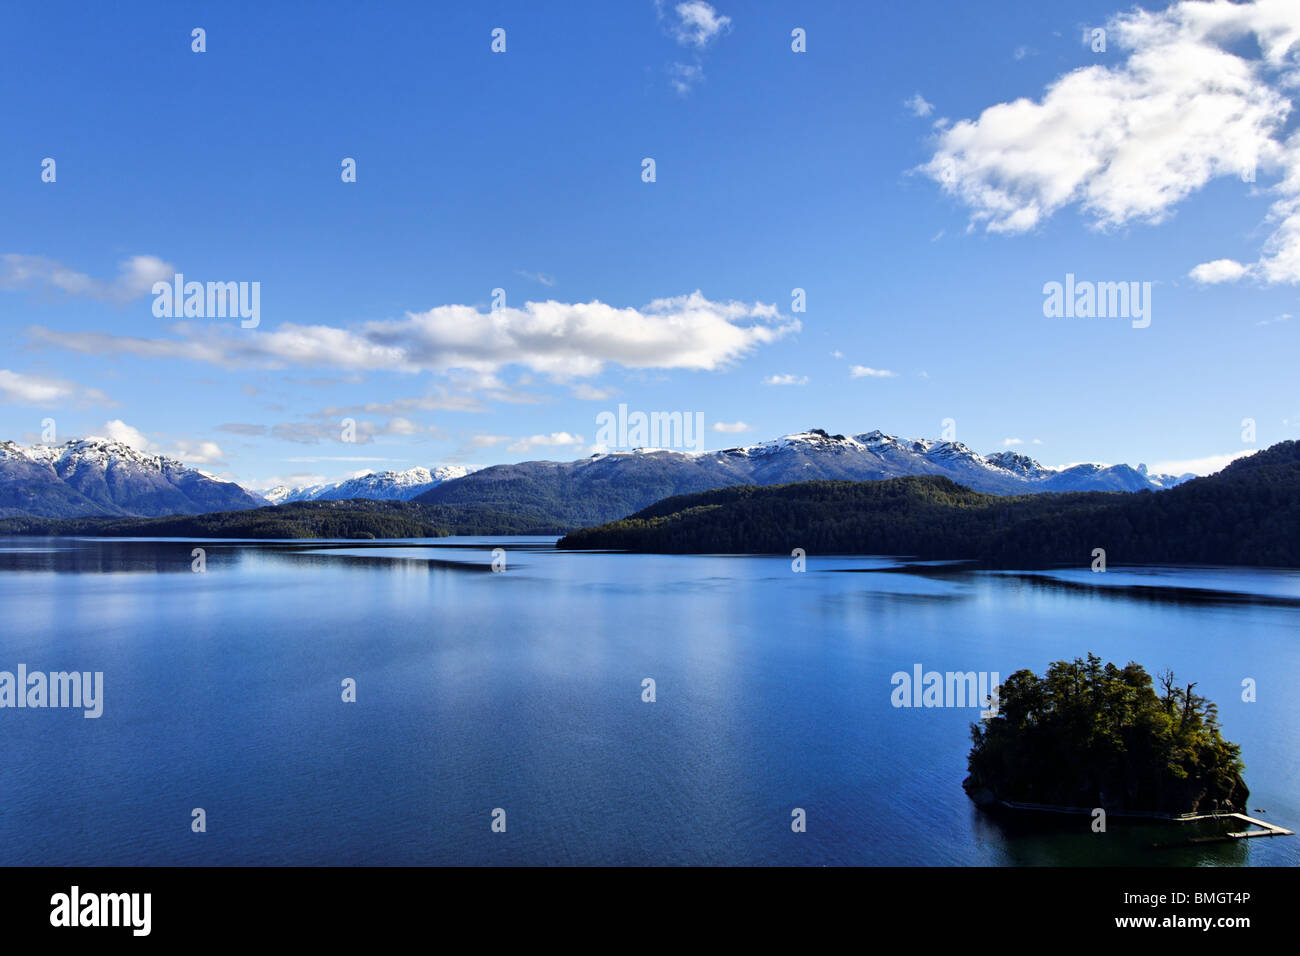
(1087, 735)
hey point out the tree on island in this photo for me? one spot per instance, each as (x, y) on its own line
(1089, 736)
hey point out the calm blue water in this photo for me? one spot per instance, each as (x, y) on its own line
(522, 690)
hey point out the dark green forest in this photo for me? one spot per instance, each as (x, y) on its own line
(357, 518)
(1086, 736)
(1247, 514)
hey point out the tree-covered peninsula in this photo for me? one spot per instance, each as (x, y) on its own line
(1247, 514)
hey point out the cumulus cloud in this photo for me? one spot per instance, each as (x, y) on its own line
(863, 371)
(37, 390)
(197, 453)
(135, 277)
(786, 380)
(1202, 92)
(1220, 270)
(559, 339)
(190, 452)
(118, 430)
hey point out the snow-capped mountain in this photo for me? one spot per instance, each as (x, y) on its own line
(384, 485)
(99, 476)
(609, 486)
(874, 455)
(102, 477)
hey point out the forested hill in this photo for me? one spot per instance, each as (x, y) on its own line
(1247, 514)
(1088, 735)
(357, 518)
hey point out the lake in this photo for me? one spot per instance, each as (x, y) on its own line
(523, 690)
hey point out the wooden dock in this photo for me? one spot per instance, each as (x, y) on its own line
(1262, 827)
(1266, 829)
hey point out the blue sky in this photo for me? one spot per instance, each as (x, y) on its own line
(879, 171)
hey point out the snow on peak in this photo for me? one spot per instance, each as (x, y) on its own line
(382, 485)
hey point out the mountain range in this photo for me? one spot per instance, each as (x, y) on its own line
(608, 486)
(98, 476)
(101, 477)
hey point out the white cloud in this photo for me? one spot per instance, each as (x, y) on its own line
(197, 453)
(1128, 142)
(786, 380)
(118, 430)
(1197, 466)
(22, 389)
(135, 278)
(191, 452)
(917, 104)
(1008, 442)
(697, 24)
(1220, 270)
(862, 371)
(553, 440)
(558, 339)
(731, 428)
(1284, 317)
